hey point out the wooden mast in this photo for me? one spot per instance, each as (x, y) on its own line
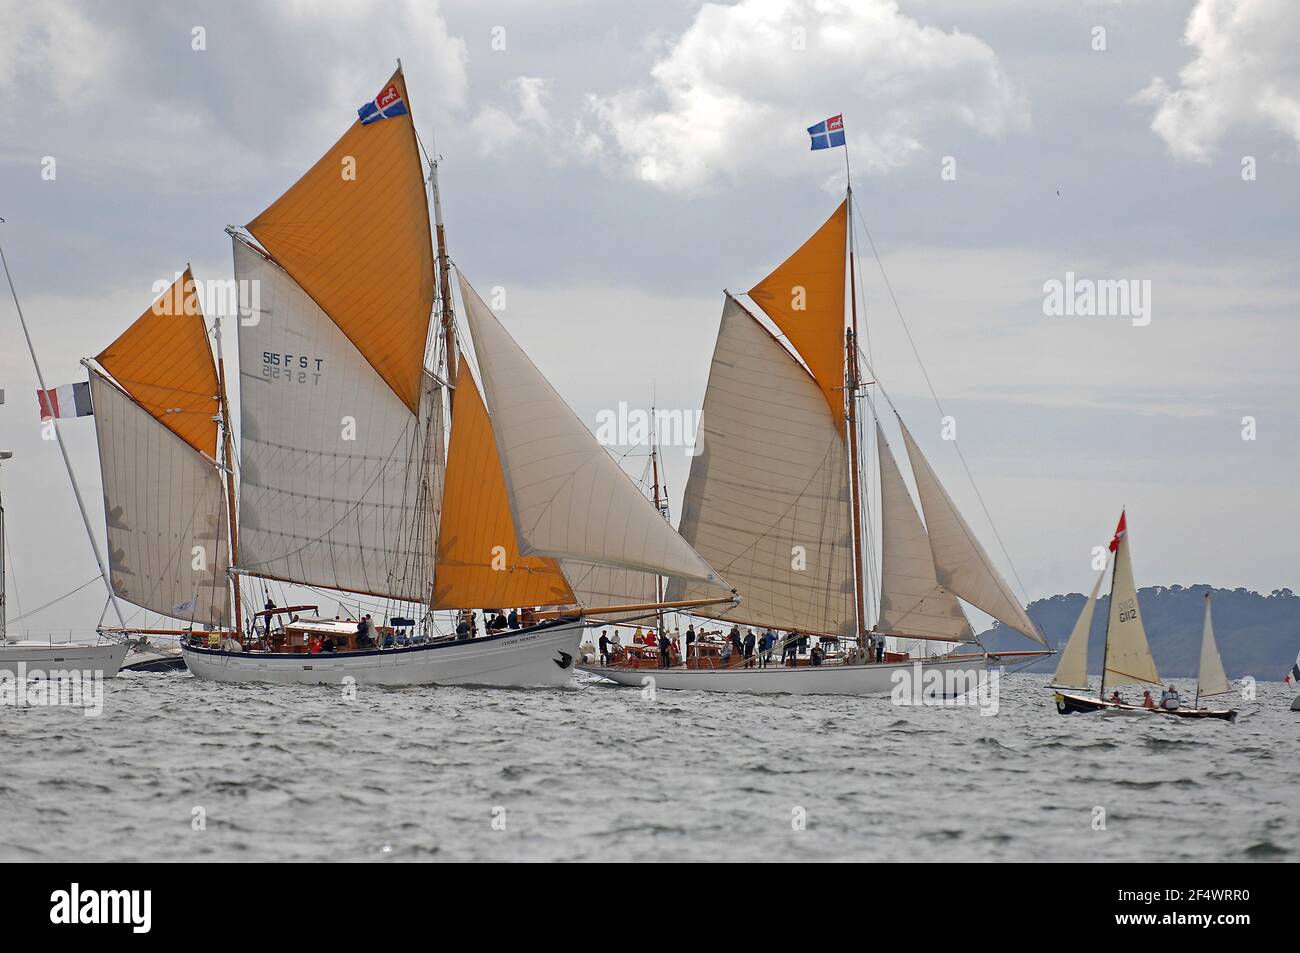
(1105, 641)
(228, 473)
(851, 397)
(448, 316)
(654, 466)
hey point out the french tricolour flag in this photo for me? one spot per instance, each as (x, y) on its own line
(70, 400)
(828, 133)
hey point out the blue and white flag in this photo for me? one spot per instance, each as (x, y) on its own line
(384, 106)
(828, 133)
(1293, 676)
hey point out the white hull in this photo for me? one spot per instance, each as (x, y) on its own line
(527, 658)
(869, 680)
(105, 658)
(1295, 703)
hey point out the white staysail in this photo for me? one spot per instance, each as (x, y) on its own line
(331, 459)
(767, 501)
(569, 499)
(610, 585)
(960, 562)
(912, 603)
(1128, 656)
(165, 506)
(1072, 672)
(1213, 680)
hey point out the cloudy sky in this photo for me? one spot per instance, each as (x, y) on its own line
(614, 166)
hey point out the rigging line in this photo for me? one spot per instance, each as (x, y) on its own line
(19, 618)
(937, 403)
(13, 576)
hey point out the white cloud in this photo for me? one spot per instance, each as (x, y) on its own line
(493, 128)
(1246, 72)
(735, 91)
(128, 79)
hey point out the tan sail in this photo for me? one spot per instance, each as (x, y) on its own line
(1128, 657)
(354, 234)
(1072, 672)
(568, 497)
(804, 297)
(912, 603)
(960, 562)
(478, 561)
(1213, 680)
(164, 361)
(767, 501)
(165, 507)
(339, 481)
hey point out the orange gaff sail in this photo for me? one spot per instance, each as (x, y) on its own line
(164, 362)
(354, 234)
(478, 563)
(804, 297)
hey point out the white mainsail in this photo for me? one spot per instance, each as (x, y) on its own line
(960, 562)
(1128, 656)
(569, 499)
(767, 501)
(1213, 680)
(331, 459)
(165, 506)
(1072, 672)
(912, 603)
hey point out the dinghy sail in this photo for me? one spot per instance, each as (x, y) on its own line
(1212, 679)
(1072, 672)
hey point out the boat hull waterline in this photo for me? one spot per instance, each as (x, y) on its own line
(538, 657)
(1068, 704)
(105, 658)
(879, 679)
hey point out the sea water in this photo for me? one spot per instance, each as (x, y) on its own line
(180, 769)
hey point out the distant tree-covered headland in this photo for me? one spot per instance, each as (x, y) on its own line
(1258, 635)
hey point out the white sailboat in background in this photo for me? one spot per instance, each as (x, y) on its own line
(1127, 658)
(777, 500)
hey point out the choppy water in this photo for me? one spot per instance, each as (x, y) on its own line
(595, 772)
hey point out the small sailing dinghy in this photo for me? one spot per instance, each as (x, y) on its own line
(1126, 658)
(1293, 679)
(776, 501)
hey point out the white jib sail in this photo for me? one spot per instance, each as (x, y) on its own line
(165, 506)
(1213, 680)
(912, 603)
(960, 562)
(331, 460)
(1072, 672)
(1128, 656)
(767, 501)
(569, 499)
